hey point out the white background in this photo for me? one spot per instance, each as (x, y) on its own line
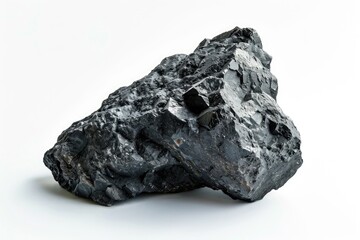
(60, 59)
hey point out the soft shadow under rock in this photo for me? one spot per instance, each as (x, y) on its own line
(50, 186)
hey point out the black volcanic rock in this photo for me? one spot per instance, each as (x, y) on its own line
(205, 119)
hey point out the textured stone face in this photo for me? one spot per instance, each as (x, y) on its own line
(205, 119)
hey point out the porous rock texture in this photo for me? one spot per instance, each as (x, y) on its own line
(208, 119)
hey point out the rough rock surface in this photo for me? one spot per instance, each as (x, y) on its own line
(205, 119)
